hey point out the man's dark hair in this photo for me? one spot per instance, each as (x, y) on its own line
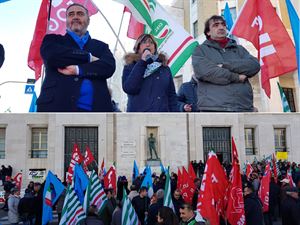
(186, 206)
(143, 189)
(207, 22)
(76, 4)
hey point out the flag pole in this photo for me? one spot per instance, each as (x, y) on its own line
(115, 49)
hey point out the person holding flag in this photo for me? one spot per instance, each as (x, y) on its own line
(222, 69)
(147, 80)
(77, 68)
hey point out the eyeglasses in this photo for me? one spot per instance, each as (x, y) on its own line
(147, 41)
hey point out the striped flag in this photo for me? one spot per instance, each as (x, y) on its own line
(171, 37)
(72, 212)
(168, 195)
(129, 216)
(285, 104)
(94, 194)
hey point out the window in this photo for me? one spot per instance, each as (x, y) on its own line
(280, 139)
(249, 141)
(195, 29)
(2, 143)
(290, 98)
(39, 143)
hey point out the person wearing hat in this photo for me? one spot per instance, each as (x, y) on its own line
(253, 206)
(147, 80)
(290, 208)
(13, 203)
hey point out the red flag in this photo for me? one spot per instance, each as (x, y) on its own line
(235, 156)
(188, 187)
(179, 179)
(135, 28)
(192, 172)
(88, 157)
(249, 170)
(214, 184)
(18, 180)
(235, 212)
(259, 24)
(110, 179)
(76, 158)
(34, 60)
(264, 189)
(57, 25)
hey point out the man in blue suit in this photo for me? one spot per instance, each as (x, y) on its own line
(77, 68)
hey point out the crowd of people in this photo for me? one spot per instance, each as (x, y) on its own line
(284, 203)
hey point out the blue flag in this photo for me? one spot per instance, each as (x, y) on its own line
(1, 1)
(228, 17)
(52, 190)
(147, 182)
(295, 23)
(33, 107)
(135, 171)
(80, 182)
(162, 168)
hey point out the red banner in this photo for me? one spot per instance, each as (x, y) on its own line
(76, 158)
(264, 189)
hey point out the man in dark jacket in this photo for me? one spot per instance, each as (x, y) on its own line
(1, 55)
(222, 69)
(140, 204)
(290, 208)
(155, 207)
(253, 206)
(187, 97)
(77, 68)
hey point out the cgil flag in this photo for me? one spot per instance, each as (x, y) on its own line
(284, 101)
(187, 186)
(94, 194)
(18, 180)
(258, 23)
(168, 194)
(76, 158)
(264, 189)
(171, 37)
(110, 179)
(52, 190)
(88, 158)
(129, 216)
(72, 213)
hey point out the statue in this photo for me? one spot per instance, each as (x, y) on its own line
(152, 146)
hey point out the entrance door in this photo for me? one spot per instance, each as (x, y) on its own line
(217, 139)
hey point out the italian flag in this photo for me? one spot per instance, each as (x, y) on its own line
(48, 199)
(170, 36)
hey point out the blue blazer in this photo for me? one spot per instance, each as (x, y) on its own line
(59, 92)
(155, 93)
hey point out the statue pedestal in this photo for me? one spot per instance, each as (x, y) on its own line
(153, 162)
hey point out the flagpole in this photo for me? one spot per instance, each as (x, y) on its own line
(115, 49)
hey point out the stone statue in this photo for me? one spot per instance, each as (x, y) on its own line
(152, 146)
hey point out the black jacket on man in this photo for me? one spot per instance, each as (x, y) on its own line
(141, 205)
(253, 210)
(290, 211)
(59, 92)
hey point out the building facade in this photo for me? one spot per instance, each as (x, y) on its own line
(36, 143)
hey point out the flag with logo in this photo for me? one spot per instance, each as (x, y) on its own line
(72, 212)
(110, 179)
(52, 190)
(75, 158)
(18, 180)
(129, 216)
(169, 35)
(168, 194)
(94, 194)
(264, 189)
(284, 101)
(187, 186)
(55, 25)
(88, 158)
(258, 23)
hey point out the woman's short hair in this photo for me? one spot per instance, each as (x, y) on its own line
(142, 38)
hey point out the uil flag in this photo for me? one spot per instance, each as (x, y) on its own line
(76, 158)
(135, 171)
(169, 35)
(18, 180)
(88, 157)
(168, 194)
(264, 189)
(259, 24)
(110, 179)
(56, 25)
(147, 182)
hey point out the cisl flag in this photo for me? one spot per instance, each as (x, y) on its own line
(171, 38)
(259, 24)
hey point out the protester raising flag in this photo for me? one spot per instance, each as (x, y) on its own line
(169, 35)
(129, 216)
(168, 194)
(258, 23)
(52, 190)
(76, 158)
(56, 25)
(285, 103)
(94, 194)
(110, 179)
(264, 189)
(72, 212)
(235, 212)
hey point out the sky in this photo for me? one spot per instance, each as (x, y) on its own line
(17, 22)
